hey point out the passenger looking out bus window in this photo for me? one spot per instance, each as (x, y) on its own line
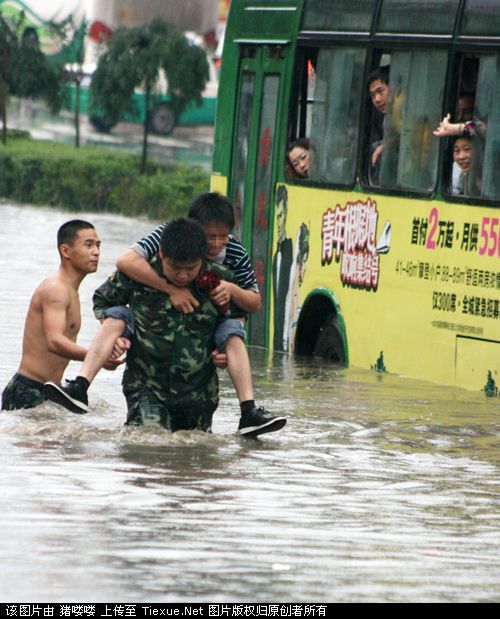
(466, 170)
(334, 115)
(477, 120)
(297, 158)
(378, 89)
(409, 104)
(466, 121)
(465, 108)
(465, 183)
(467, 126)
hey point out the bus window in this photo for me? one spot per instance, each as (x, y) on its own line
(487, 124)
(408, 156)
(436, 16)
(332, 115)
(339, 15)
(481, 18)
(474, 129)
(240, 156)
(301, 105)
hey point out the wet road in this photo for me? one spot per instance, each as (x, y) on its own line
(379, 489)
(186, 144)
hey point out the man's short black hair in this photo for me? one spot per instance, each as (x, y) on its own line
(380, 73)
(212, 207)
(282, 196)
(67, 233)
(184, 241)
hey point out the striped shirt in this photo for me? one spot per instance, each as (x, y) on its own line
(234, 256)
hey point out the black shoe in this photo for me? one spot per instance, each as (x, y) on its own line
(72, 395)
(259, 421)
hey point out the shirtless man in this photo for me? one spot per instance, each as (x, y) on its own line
(53, 319)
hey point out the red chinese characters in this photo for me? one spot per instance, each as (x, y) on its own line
(350, 232)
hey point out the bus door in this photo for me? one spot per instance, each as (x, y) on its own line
(253, 167)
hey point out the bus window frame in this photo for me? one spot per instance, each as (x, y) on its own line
(385, 44)
(377, 44)
(460, 50)
(296, 126)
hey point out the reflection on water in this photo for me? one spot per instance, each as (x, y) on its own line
(378, 489)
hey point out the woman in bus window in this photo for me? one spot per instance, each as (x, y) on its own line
(469, 133)
(468, 181)
(297, 158)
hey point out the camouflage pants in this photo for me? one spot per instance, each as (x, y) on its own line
(145, 409)
(22, 392)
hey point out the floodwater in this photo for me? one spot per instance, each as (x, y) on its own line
(379, 489)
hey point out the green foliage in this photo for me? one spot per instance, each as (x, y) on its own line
(27, 72)
(94, 179)
(135, 57)
(30, 75)
(170, 190)
(71, 41)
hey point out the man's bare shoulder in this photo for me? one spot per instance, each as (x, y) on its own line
(53, 289)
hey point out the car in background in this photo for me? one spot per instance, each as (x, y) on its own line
(163, 118)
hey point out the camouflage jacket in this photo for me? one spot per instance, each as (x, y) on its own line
(171, 351)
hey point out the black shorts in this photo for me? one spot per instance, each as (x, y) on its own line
(22, 392)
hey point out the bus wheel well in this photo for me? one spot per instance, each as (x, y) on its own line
(319, 331)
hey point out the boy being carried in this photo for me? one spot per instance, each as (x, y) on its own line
(149, 360)
(215, 213)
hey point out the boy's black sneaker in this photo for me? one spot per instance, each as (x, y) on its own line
(71, 395)
(259, 421)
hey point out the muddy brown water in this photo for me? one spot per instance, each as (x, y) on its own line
(379, 489)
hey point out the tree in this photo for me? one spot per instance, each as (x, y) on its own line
(25, 70)
(69, 59)
(135, 57)
(7, 44)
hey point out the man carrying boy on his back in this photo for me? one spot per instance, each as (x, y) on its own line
(170, 378)
(215, 213)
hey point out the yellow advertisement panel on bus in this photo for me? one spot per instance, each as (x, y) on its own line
(416, 282)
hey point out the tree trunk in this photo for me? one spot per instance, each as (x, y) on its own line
(3, 94)
(146, 127)
(77, 113)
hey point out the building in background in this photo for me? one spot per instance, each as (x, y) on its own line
(200, 16)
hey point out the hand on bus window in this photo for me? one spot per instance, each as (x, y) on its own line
(446, 128)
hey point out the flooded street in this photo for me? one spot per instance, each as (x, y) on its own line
(379, 489)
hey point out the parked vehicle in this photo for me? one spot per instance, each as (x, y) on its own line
(163, 118)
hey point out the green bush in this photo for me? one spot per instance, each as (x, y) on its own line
(95, 180)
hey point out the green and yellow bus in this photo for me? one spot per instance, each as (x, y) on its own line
(392, 261)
